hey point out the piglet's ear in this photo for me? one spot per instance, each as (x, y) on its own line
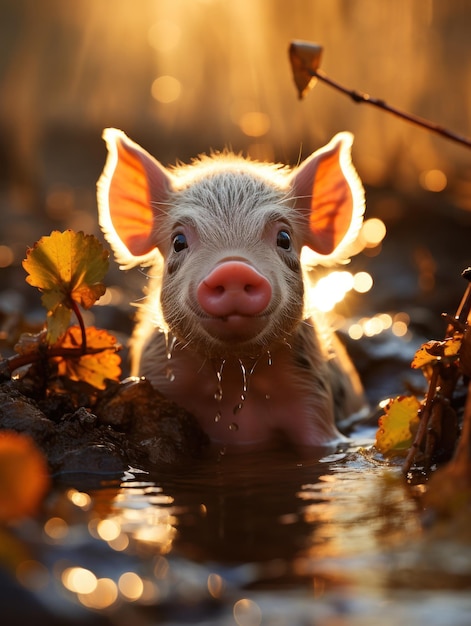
(130, 194)
(330, 195)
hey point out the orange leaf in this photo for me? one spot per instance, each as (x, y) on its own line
(93, 369)
(24, 476)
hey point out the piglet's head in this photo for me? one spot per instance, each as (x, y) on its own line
(135, 191)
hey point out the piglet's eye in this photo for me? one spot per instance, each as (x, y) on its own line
(179, 242)
(283, 240)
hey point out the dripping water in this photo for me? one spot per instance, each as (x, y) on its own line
(246, 376)
(245, 384)
(169, 347)
(218, 393)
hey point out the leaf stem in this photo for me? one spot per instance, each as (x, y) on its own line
(78, 315)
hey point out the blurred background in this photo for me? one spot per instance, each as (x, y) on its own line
(183, 76)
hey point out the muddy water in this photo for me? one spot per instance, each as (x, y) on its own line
(274, 538)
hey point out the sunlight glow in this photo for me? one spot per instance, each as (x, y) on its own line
(332, 289)
(164, 35)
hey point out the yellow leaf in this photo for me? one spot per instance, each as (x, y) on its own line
(66, 267)
(93, 369)
(433, 351)
(397, 425)
(24, 476)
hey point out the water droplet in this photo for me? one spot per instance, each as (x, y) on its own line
(267, 396)
(169, 374)
(237, 408)
(217, 417)
(234, 427)
(218, 393)
(170, 345)
(244, 376)
(269, 361)
(243, 397)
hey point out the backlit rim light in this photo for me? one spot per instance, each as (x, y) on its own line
(332, 288)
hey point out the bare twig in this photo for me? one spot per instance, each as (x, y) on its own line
(305, 60)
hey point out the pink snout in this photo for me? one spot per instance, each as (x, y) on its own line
(234, 288)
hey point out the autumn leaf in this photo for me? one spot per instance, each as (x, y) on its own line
(397, 425)
(94, 368)
(67, 268)
(305, 59)
(29, 343)
(24, 476)
(433, 351)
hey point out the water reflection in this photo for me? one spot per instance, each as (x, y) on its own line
(278, 509)
(249, 539)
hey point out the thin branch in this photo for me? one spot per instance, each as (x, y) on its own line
(16, 361)
(360, 97)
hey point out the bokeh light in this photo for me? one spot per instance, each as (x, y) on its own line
(103, 596)
(433, 180)
(254, 124)
(131, 586)
(398, 324)
(166, 89)
(373, 231)
(247, 613)
(56, 528)
(79, 498)
(79, 580)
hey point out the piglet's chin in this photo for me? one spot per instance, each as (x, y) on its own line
(234, 328)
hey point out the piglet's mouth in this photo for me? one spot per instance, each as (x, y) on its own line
(234, 328)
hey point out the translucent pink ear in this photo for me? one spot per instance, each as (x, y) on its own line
(130, 194)
(330, 195)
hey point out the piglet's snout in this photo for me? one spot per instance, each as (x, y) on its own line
(234, 288)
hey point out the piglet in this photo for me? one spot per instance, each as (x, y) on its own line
(224, 331)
